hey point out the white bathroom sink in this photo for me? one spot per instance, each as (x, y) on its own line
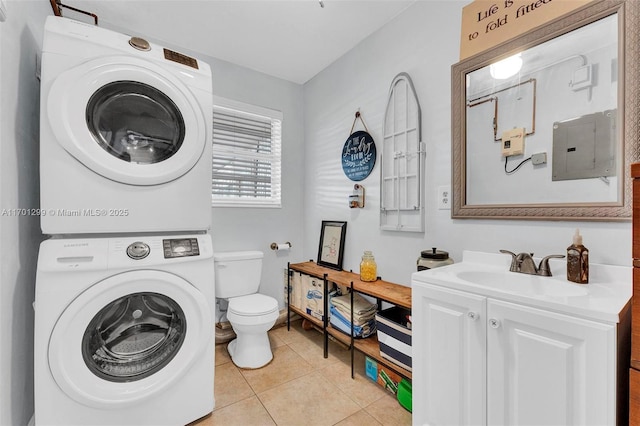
(487, 274)
(525, 283)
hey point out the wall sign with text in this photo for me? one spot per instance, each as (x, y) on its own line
(358, 155)
(487, 23)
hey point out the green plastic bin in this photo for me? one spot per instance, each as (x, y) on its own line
(404, 394)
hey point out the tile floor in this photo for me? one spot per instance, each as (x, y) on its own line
(300, 387)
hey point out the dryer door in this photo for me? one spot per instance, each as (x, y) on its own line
(128, 120)
(128, 338)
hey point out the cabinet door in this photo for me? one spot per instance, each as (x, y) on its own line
(635, 314)
(634, 396)
(449, 347)
(545, 368)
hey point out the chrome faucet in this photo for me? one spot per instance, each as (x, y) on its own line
(523, 263)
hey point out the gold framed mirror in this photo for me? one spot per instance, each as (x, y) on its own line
(554, 140)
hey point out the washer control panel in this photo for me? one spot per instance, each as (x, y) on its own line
(180, 247)
(138, 250)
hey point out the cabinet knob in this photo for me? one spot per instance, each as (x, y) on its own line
(494, 323)
(472, 315)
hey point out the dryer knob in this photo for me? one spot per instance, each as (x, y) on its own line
(138, 250)
(139, 43)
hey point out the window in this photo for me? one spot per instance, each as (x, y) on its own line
(246, 155)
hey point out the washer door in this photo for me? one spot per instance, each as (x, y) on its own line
(127, 120)
(128, 338)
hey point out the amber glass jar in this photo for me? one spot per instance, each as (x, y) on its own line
(368, 267)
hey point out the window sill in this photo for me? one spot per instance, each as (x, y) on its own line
(243, 205)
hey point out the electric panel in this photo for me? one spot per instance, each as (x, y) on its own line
(585, 147)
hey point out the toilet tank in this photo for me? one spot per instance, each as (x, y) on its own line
(237, 273)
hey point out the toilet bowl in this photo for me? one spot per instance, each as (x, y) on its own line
(251, 315)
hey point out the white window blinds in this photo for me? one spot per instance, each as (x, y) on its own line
(246, 155)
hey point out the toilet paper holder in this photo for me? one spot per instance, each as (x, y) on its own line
(281, 246)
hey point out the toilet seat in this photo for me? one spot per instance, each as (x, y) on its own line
(252, 310)
(252, 305)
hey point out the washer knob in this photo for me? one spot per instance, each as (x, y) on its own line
(138, 250)
(139, 43)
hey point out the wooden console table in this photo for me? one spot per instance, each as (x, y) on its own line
(395, 294)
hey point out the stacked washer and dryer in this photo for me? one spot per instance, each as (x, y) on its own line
(125, 297)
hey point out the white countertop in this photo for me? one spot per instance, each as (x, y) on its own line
(608, 292)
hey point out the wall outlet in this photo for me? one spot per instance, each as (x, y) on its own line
(444, 197)
(539, 158)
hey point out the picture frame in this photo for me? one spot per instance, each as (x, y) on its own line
(331, 246)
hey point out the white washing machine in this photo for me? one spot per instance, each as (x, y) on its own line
(124, 331)
(125, 134)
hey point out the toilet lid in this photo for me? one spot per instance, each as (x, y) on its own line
(253, 305)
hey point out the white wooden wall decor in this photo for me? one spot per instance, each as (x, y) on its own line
(402, 160)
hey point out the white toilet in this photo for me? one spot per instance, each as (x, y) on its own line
(237, 278)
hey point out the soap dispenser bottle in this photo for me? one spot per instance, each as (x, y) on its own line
(578, 261)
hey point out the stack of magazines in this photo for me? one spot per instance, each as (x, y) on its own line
(364, 315)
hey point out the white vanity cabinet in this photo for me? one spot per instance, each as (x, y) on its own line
(545, 368)
(483, 357)
(450, 373)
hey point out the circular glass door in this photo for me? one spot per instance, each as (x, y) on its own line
(133, 337)
(129, 337)
(135, 122)
(129, 120)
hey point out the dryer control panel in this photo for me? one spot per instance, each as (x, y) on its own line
(180, 247)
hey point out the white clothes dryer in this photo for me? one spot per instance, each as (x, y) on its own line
(124, 331)
(125, 134)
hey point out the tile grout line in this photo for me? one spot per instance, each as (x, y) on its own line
(363, 410)
(266, 409)
(274, 386)
(258, 396)
(334, 385)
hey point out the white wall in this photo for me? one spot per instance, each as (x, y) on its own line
(424, 42)
(256, 228)
(21, 38)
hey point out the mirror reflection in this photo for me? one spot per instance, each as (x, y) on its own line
(542, 124)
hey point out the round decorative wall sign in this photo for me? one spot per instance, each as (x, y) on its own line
(358, 155)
